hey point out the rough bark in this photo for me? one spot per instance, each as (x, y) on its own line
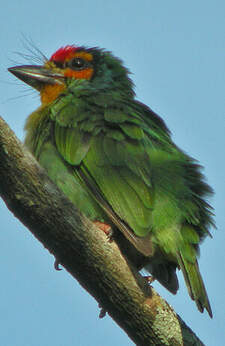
(84, 251)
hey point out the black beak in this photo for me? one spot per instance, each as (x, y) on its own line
(36, 76)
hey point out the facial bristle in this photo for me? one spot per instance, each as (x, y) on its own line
(62, 53)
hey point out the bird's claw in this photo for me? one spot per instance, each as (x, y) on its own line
(102, 312)
(56, 265)
(110, 235)
(149, 279)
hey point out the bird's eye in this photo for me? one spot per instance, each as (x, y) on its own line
(77, 63)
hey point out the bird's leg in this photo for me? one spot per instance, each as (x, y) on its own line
(107, 229)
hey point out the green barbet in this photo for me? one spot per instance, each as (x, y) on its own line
(114, 158)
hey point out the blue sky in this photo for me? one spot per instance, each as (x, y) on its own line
(175, 50)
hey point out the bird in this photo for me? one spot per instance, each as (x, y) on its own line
(115, 159)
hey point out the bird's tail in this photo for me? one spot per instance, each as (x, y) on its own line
(195, 284)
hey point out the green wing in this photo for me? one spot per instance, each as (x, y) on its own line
(153, 192)
(125, 159)
(108, 152)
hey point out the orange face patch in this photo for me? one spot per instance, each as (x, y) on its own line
(86, 73)
(50, 92)
(82, 74)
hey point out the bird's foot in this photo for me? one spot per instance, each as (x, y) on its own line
(149, 279)
(105, 228)
(56, 265)
(102, 312)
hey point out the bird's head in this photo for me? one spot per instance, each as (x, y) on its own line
(98, 70)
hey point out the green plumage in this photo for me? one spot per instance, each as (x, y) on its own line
(114, 158)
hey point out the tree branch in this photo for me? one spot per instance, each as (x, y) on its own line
(84, 251)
